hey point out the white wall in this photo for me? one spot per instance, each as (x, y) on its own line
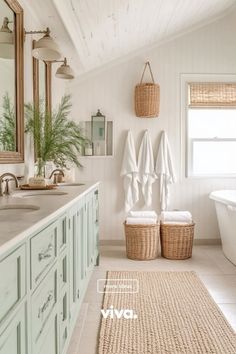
(208, 50)
(31, 23)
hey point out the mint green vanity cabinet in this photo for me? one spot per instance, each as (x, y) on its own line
(44, 279)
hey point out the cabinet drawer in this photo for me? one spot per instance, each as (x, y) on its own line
(63, 320)
(63, 271)
(62, 233)
(42, 303)
(12, 285)
(13, 337)
(43, 248)
(48, 341)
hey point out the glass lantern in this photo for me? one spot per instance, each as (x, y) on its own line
(98, 134)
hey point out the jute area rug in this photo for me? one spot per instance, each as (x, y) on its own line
(175, 314)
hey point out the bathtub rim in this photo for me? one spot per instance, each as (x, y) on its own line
(219, 197)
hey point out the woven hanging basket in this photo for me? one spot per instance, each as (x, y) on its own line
(147, 97)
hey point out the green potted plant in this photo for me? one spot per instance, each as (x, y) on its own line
(56, 137)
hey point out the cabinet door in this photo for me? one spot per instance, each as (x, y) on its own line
(49, 343)
(13, 337)
(77, 251)
(63, 270)
(63, 320)
(13, 282)
(43, 302)
(73, 271)
(82, 244)
(90, 231)
(96, 227)
(62, 232)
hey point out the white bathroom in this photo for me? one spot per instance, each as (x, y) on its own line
(117, 231)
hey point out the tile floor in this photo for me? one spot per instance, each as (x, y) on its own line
(216, 272)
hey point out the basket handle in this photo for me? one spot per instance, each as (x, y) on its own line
(149, 67)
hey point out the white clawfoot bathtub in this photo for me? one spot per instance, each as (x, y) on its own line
(225, 203)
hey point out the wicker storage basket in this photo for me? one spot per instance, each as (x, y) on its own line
(147, 97)
(142, 241)
(176, 240)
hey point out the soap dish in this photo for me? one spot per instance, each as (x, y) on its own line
(28, 187)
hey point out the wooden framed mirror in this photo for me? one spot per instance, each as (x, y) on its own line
(11, 83)
(42, 82)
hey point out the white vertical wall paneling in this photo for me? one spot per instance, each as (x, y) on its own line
(209, 50)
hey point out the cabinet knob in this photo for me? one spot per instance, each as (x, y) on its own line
(46, 254)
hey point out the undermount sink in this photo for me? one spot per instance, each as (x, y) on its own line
(41, 193)
(7, 209)
(70, 184)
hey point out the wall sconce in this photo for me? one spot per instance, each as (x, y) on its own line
(64, 71)
(6, 40)
(45, 48)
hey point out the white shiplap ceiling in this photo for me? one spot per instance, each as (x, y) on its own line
(105, 30)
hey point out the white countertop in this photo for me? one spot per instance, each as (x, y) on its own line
(16, 227)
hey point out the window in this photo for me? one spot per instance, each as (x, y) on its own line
(211, 129)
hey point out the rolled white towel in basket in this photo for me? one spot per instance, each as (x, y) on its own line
(176, 216)
(140, 221)
(143, 214)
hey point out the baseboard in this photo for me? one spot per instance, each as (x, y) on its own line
(197, 242)
(112, 242)
(207, 241)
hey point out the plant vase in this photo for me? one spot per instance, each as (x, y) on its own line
(39, 167)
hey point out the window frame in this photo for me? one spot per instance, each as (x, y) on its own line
(186, 164)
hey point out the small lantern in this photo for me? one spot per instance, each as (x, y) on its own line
(98, 133)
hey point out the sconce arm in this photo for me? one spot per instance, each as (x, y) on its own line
(60, 61)
(47, 32)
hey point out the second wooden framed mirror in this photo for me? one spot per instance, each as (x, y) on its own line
(42, 83)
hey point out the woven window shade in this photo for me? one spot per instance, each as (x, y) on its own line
(213, 94)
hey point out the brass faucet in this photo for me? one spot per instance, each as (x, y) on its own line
(56, 175)
(7, 180)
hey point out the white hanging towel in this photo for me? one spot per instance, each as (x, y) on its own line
(164, 170)
(146, 173)
(129, 172)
